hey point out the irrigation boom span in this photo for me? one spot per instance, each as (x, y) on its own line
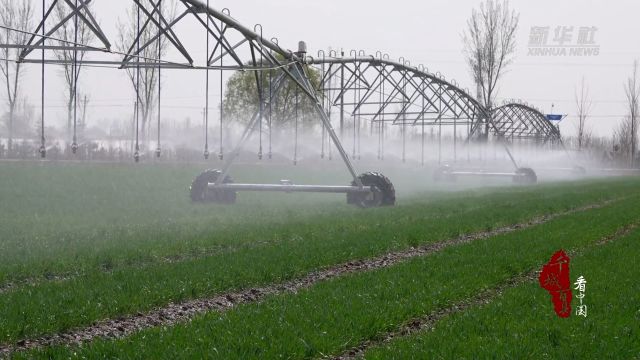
(375, 88)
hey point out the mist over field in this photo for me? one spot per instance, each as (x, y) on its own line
(189, 179)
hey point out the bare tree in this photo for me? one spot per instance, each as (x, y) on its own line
(17, 15)
(622, 138)
(128, 32)
(583, 108)
(490, 42)
(632, 91)
(71, 73)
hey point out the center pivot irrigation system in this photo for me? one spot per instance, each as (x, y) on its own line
(366, 88)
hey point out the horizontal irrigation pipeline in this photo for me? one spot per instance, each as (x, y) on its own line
(485, 297)
(183, 312)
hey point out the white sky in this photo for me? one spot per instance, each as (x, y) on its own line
(425, 32)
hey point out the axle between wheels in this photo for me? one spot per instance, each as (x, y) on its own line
(377, 189)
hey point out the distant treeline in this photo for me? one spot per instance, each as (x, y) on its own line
(93, 151)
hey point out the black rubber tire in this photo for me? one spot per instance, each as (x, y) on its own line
(200, 192)
(384, 194)
(525, 176)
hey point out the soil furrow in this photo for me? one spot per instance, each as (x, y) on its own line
(183, 312)
(14, 285)
(429, 322)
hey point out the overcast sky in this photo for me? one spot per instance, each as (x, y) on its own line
(425, 32)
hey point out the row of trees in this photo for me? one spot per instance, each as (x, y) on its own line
(627, 132)
(490, 45)
(625, 135)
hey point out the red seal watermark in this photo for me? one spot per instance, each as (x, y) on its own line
(555, 279)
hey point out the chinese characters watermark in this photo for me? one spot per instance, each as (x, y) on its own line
(555, 279)
(563, 41)
(581, 286)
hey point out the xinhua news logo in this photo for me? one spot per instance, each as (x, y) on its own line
(562, 41)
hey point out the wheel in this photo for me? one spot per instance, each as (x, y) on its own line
(383, 192)
(200, 191)
(525, 176)
(444, 173)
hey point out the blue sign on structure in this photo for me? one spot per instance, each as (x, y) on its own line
(551, 117)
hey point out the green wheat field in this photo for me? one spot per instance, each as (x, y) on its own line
(81, 244)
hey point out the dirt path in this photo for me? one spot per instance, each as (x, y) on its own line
(183, 312)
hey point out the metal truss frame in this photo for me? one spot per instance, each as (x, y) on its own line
(366, 88)
(386, 92)
(517, 120)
